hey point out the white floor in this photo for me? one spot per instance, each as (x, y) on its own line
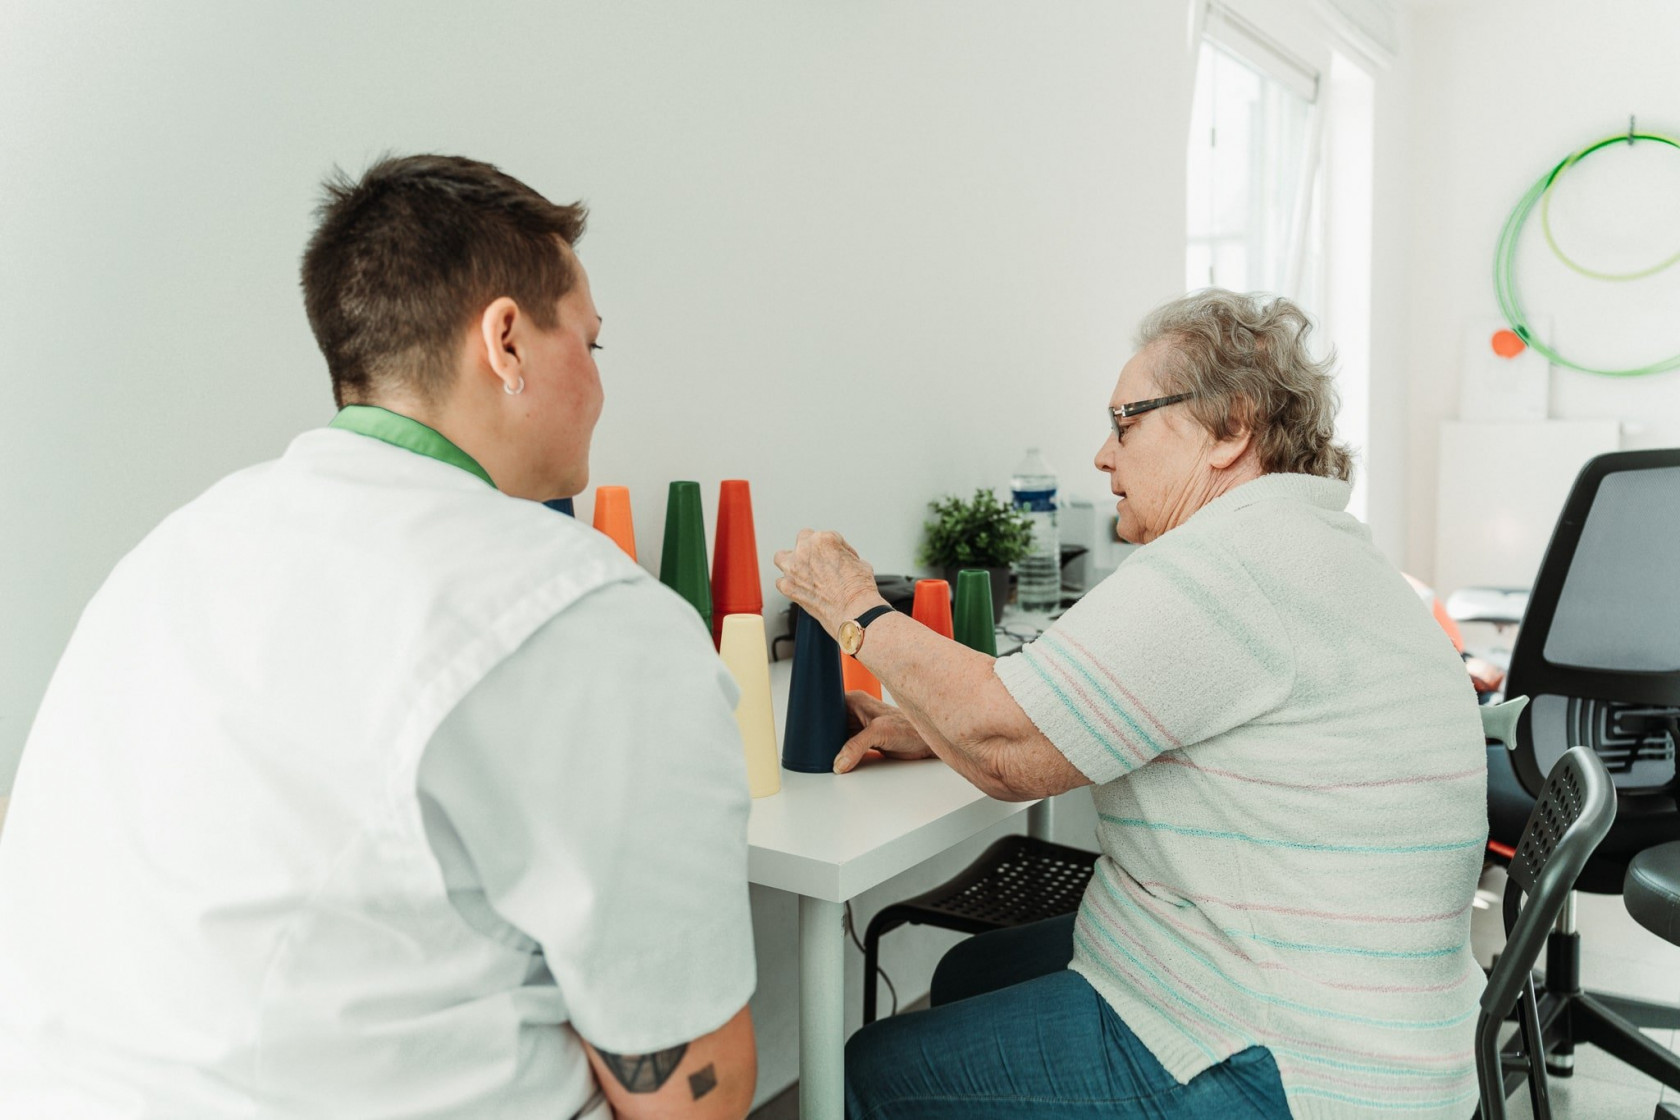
(1617, 956)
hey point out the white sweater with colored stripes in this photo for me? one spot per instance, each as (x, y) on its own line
(1290, 784)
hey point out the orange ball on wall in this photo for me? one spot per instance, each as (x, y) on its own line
(1507, 343)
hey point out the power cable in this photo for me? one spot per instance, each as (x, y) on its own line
(851, 931)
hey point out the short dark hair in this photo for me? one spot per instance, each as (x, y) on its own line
(403, 260)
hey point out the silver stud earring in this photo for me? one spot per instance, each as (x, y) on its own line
(514, 390)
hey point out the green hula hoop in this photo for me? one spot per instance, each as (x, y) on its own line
(1557, 250)
(1504, 259)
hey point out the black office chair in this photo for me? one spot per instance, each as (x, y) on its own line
(1576, 807)
(1652, 891)
(1599, 654)
(1016, 881)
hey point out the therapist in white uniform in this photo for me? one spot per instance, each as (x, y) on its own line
(369, 787)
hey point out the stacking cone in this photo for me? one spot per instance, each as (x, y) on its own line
(682, 566)
(857, 678)
(816, 716)
(735, 586)
(742, 648)
(612, 516)
(561, 505)
(973, 623)
(932, 607)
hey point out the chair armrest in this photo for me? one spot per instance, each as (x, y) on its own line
(1499, 721)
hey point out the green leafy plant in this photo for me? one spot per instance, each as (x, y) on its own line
(980, 532)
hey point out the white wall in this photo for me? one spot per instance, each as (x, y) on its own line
(860, 253)
(1501, 92)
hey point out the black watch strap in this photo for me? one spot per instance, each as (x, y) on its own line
(870, 615)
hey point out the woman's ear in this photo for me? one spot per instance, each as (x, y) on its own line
(499, 331)
(1230, 451)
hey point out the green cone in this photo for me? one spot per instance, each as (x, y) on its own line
(972, 620)
(682, 566)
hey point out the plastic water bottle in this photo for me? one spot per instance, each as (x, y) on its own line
(1038, 574)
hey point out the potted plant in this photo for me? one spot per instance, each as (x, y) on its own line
(978, 532)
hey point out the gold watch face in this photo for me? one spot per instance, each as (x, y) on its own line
(851, 636)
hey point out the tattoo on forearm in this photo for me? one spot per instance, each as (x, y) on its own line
(703, 1082)
(645, 1073)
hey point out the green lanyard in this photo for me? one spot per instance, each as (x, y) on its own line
(410, 435)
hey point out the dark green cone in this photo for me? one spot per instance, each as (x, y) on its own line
(682, 566)
(971, 623)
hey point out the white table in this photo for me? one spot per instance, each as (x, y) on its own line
(828, 838)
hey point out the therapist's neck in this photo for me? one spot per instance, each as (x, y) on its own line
(476, 421)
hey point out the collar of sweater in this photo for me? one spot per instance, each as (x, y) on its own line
(1325, 493)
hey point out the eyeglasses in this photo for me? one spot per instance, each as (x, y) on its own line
(1138, 408)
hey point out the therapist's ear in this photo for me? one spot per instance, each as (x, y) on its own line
(500, 329)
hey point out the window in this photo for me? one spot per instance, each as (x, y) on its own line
(1280, 189)
(1252, 164)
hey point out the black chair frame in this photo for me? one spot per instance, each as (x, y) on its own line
(1575, 809)
(1566, 1015)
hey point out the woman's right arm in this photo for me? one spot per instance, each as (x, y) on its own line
(952, 702)
(948, 692)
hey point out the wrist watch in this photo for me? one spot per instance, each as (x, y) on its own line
(851, 630)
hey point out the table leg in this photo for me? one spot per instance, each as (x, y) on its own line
(822, 1009)
(1039, 820)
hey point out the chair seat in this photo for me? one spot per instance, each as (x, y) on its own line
(1652, 890)
(1015, 882)
(1018, 880)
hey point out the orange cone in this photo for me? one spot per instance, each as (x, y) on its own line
(735, 583)
(612, 516)
(857, 678)
(933, 606)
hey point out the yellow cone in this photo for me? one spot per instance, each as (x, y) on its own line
(742, 649)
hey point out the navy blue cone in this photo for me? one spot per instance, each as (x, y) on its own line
(564, 505)
(816, 718)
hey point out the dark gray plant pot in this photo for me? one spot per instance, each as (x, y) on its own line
(1000, 588)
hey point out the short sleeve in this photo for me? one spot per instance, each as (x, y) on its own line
(1176, 647)
(597, 783)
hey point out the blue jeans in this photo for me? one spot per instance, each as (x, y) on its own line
(1034, 1046)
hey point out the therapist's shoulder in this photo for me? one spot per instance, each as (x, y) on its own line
(627, 608)
(597, 595)
(526, 532)
(637, 642)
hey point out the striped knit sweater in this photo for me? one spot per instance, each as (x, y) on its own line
(1290, 780)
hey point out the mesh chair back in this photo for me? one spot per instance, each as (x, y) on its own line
(1599, 648)
(1572, 815)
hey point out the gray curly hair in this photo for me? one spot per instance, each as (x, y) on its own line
(1245, 357)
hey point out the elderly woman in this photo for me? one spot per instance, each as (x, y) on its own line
(1286, 761)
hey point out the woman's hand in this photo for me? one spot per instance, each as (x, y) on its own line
(880, 727)
(826, 576)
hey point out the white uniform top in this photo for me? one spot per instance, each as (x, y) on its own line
(359, 788)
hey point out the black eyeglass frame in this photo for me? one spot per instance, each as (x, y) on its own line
(1138, 408)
